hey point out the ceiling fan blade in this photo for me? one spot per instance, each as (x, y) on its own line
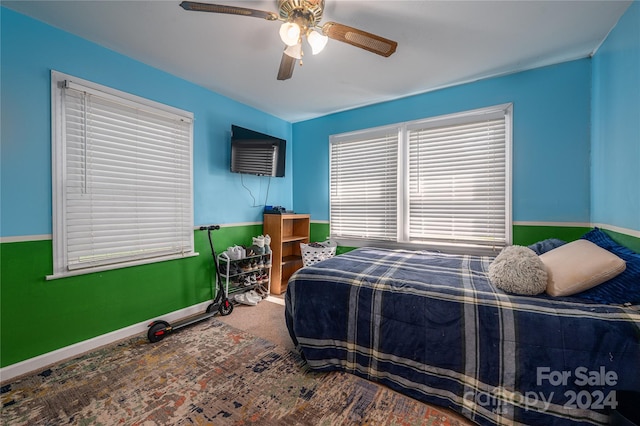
(287, 65)
(359, 38)
(231, 10)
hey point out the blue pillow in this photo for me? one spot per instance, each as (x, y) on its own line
(544, 246)
(624, 288)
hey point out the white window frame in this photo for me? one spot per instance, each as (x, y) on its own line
(403, 239)
(176, 244)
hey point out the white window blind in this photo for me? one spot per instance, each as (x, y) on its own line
(441, 183)
(457, 182)
(122, 179)
(364, 182)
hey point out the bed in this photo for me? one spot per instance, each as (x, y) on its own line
(433, 327)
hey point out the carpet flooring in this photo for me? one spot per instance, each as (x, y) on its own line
(265, 320)
(208, 374)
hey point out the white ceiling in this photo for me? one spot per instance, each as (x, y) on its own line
(440, 43)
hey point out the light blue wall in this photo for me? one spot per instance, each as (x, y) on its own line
(616, 125)
(552, 180)
(31, 49)
(550, 140)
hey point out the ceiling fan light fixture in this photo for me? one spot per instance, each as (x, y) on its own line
(317, 41)
(300, 19)
(290, 33)
(294, 51)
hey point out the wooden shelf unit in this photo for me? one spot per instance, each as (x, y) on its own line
(287, 231)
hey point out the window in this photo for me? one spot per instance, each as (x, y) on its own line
(442, 183)
(364, 181)
(122, 180)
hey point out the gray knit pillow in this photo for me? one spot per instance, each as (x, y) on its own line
(519, 270)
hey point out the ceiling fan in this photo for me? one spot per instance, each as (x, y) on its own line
(301, 18)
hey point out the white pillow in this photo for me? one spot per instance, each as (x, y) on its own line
(578, 266)
(518, 269)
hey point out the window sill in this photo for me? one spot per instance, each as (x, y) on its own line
(440, 248)
(102, 268)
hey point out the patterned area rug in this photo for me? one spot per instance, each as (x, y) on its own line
(206, 374)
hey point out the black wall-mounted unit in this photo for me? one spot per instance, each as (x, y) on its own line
(256, 153)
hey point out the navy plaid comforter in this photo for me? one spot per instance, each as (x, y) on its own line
(433, 327)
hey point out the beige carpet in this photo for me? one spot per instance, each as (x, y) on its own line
(265, 320)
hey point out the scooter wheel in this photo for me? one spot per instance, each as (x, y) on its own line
(226, 307)
(156, 332)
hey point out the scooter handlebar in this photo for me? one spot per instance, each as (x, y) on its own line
(210, 228)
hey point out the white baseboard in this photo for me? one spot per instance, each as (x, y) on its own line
(276, 300)
(39, 362)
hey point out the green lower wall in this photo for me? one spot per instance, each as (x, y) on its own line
(39, 316)
(626, 240)
(318, 231)
(523, 235)
(526, 235)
